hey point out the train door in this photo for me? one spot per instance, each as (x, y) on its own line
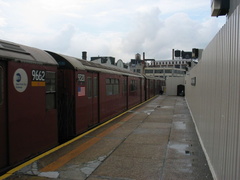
(66, 118)
(3, 117)
(93, 96)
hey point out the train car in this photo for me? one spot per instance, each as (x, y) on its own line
(153, 86)
(115, 85)
(28, 113)
(48, 98)
(91, 93)
(159, 85)
(149, 87)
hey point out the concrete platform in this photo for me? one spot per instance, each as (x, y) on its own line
(155, 141)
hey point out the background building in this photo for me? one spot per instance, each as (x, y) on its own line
(175, 67)
(137, 65)
(104, 59)
(108, 60)
(167, 68)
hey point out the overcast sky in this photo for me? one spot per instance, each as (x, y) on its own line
(118, 28)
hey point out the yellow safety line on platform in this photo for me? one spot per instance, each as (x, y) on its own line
(88, 144)
(61, 161)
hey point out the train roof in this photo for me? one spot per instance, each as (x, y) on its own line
(65, 61)
(22, 53)
(94, 66)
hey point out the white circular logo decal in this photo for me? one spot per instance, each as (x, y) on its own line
(20, 80)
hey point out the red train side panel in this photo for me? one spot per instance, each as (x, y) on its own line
(113, 99)
(77, 98)
(39, 112)
(28, 122)
(87, 97)
(32, 126)
(134, 88)
(3, 116)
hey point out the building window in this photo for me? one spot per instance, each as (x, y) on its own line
(148, 71)
(50, 90)
(159, 71)
(168, 71)
(138, 71)
(1, 85)
(89, 87)
(112, 86)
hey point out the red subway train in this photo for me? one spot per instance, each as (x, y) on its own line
(47, 98)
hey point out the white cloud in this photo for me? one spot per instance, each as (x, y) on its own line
(2, 22)
(109, 27)
(157, 36)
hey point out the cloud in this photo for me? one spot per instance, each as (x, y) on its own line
(146, 29)
(157, 36)
(2, 22)
(109, 27)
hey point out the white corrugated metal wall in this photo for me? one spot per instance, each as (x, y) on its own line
(215, 100)
(172, 83)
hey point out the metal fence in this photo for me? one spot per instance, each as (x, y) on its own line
(213, 96)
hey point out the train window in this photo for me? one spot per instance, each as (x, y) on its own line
(50, 81)
(95, 87)
(108, 81)
(50, 90)
(108, 87)
(112, 86)
(89, 85)
(1, 85)
(133, 86)
(112, 81)
(116, 87)
(50, 101)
